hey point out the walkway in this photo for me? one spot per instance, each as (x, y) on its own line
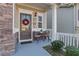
(32, 49)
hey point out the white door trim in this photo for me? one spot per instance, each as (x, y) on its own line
(26, 12)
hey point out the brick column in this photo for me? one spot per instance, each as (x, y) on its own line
(7, 43)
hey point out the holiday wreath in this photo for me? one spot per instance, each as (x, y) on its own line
(25, 21)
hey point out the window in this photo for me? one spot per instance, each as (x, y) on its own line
(39, 25)
(39, 21)
(40, 18)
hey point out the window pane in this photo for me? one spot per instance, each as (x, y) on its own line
(39, 25)
(39, 21)
(39, 18)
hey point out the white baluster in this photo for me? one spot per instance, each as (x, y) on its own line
(77, 42)
(70, 41)
(65, 41)
(73, 41)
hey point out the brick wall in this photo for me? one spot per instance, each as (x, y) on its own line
(7, 42)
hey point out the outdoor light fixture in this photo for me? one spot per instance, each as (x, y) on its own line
(35, 14)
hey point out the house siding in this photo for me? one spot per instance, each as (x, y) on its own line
(49, 18)
(77, 18)
(7, 42)
(34, 26)
(77, 15)
(65, 20)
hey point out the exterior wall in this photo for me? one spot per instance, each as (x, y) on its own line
(77, 18)
(50, 20)
(17, 20)
(45, 20)
(77, 15)
(16, 17)
(65, 20)
(19, 10)
(7, 42)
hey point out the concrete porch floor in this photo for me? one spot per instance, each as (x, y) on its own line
(32, 49)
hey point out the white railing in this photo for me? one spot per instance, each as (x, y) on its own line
(68, 39)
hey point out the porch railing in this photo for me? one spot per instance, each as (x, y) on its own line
(68, 39)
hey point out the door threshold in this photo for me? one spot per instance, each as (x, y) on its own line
(26, 42)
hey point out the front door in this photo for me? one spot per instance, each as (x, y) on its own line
(25, 27)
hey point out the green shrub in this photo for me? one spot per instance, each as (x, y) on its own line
(57, 45)
(72, 51)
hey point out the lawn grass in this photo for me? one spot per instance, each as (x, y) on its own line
(48, 48)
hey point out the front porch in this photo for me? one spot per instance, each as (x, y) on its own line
(32, 49)
(59, 29)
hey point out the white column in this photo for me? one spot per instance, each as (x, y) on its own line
(54, 21)
(77, 15)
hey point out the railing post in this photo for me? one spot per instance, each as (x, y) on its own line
(77, 42)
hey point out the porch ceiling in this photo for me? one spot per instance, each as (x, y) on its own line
(42, 7)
